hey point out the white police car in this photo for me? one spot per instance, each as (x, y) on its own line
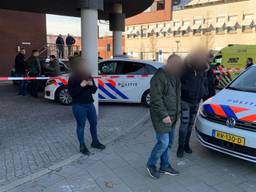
(121, 80)
(227, 122)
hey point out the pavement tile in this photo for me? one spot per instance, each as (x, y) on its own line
(226, 186)
(99, 169)
(247, 187)
(175, 187)
(62, 186)
(40, 133)
(200, 187)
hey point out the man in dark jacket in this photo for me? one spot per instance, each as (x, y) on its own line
(193, 89)
(20, 70)
(164, 111)
(53, 69)
(60, 46)
(249, 62)
(70, 41)
(34, 71)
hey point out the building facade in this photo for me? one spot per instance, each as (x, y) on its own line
(19, 29)
(212, 24)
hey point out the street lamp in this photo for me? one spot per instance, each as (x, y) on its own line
(178, 45)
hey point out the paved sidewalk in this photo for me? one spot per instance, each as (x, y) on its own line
(121, 168)
(36, 134)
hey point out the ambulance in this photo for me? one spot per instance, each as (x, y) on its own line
(120, 79)
(227, 122)
(231, 61)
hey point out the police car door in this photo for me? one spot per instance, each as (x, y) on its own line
(106, 84)
(132, 87)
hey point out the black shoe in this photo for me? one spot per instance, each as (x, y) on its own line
(187, 149)
(84, 150)
(153, 172)
(180, 152)
(169, 171)
(98, 145)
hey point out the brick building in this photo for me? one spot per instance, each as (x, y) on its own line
(212, 24)
(19, 29)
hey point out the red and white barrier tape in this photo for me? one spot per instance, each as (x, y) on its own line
(231, 70)
(224, 70)
(52, 78)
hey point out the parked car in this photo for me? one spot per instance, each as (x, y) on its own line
(122, 80)
(227, 122)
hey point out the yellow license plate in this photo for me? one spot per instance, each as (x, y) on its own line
(228, 137)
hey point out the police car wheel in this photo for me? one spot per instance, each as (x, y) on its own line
(63, 96)
(146, 98)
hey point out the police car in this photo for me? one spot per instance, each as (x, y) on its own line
(121, 80)
(227, 122)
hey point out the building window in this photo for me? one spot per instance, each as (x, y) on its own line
(130, 32)
(232, 24)
(144, 32)
(158, 5)
(207, 27)
(137, 32)
(151, 31)
(248, 23)
(185, 29)
(220, 25)
(108, 47)
(176, 28)
(197, 27)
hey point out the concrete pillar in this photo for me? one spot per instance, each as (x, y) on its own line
(117, 43)
(117, 26)
(89, 34)
(117, 35)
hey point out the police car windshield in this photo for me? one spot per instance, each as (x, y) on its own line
(245, 82)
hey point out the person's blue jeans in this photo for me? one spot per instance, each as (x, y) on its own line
(161, 149)
(81, 113)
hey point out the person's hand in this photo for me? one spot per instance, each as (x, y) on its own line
(90, 83)
(84, 83)
(167, 120)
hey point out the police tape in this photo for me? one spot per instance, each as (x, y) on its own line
(62, 77)
(223, 70)
(228, 70)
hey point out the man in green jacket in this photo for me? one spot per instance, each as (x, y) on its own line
(53, 69)
(165, 91)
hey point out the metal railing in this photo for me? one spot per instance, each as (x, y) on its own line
(62, 52)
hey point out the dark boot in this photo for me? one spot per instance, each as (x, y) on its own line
(98, 145)
(84, 150)
(187, 149)
(180, 152)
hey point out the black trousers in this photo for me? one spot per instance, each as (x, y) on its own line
(34, 86)
(188, 116)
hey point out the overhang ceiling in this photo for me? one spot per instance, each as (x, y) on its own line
(69, 7)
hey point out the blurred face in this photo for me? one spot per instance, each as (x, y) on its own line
(80, 68)
(198, 60)
(174, 65)
(249, 61)
(23, 51)
(36, 54)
